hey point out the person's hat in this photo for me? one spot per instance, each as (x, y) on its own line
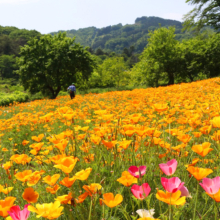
(73, 83)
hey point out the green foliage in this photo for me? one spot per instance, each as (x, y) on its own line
(7, 99)
(167, 61)
(47, 64)
(7, 66)
(160, 59)
(11, 38)
(206, 12)
(112, 72)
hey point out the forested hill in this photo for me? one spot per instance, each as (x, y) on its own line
(117, 37)
(11, 38)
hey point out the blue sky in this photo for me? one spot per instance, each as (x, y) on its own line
(52, 15)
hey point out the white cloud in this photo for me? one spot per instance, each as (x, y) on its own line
(16, 2)
(172, 16)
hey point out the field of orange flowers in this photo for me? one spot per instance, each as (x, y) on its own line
(142, 154)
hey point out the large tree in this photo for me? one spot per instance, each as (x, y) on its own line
(206, 12)
(49, 64)
(114, 71)
(160, 59)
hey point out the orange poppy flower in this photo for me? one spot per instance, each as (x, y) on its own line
(197, 134)
(83, 174)
(203, 149)
(160, 107)
(92, 188)
(199, 173)
(7, 165)
(66, 164)
(109, 145)
(65, 199)
(37, 138)
(171, 198)
(194, 162)
(51, 180)
(53, 189)
(33, 179)
(23, 176)
(185, 138)
(61, 145)
(206, 129)
(216, 136)
(216, 196)
(37, 146)
(216, 122)
(6, 190)
(25, 142)
(20, 159)
(82, 197)
(127, 179)
(47, 210)
(30, 195)
(111, 201)
(5, 205)
(68, 182)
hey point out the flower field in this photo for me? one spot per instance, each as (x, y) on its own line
(142, 154)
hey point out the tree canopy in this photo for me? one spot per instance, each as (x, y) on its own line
(206, 12)
(167, 61)
(160, 59)
(50, 64)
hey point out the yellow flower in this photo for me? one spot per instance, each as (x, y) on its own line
(171, 198)
(66, 164)
(83, 174)
(47, 210)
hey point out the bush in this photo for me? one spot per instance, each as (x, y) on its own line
(7, 99)
(36, 96)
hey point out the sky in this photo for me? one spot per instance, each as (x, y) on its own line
(47, 16)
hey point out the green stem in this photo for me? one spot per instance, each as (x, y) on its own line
(216, 210)
(111, 212)
(206, 212)
(90, 210)
(170, 208)
(194, 214)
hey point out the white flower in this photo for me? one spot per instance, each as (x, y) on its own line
(143, 213)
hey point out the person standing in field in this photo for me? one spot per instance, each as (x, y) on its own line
(72, 90)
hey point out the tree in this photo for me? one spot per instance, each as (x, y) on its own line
(160, 59)
(113, 71)
(50, 64)
(7, 66)
(200, 57)
(206, 12)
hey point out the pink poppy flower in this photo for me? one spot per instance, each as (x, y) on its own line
(141, 192)
(169, 168)
(171, 185)
(211, 186)
(185, 192)
(137, 171)
(16, 213)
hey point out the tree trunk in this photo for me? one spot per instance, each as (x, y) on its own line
(171, 79)
(53, 94)
(190, 77)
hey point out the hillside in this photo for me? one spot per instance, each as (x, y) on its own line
(117, 37)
